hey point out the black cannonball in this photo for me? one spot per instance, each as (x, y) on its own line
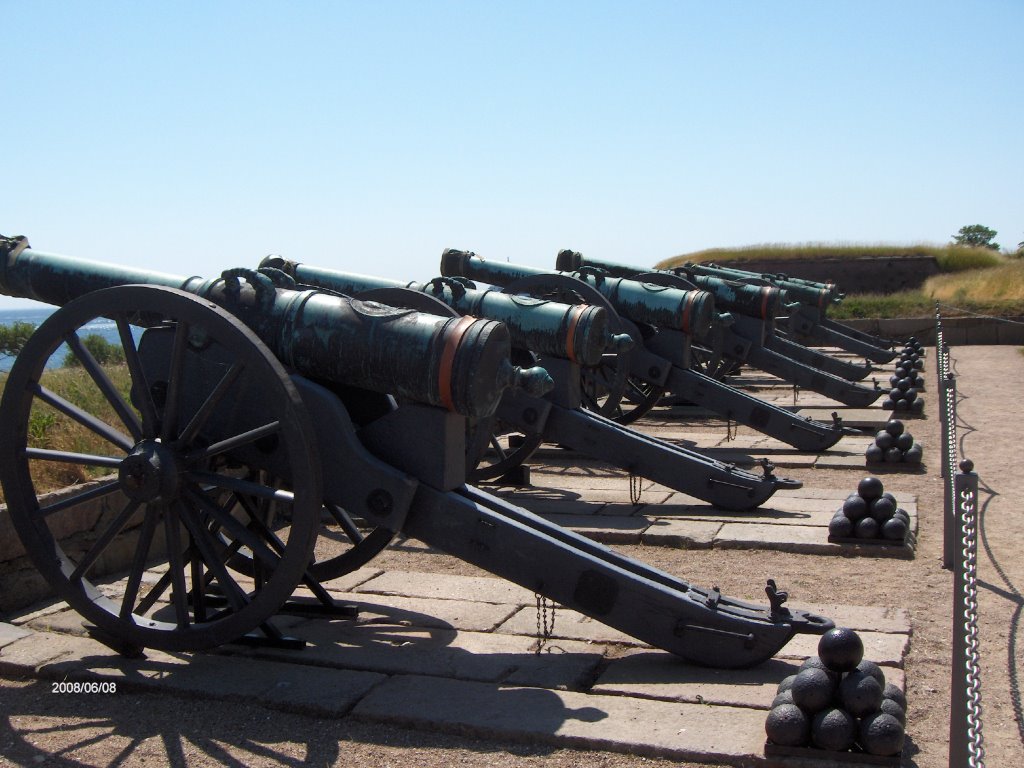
(840, 526)
(884, 440)
(889, 404)
(901, 371)
(786, 684)
(813, 662)
(890, 497)
(813, 689)
(919, 365)
(905, 441)
(882, 509)
(890, 707)
(896, 394)
(841, 649)
(787, 725)
(901, 405)
(859, 693)
(895, 693)
(910, 395)
(894, 455)
(869, 667)
(874, 454)
(866, 528)
(917, 406)
(881, 734)
(895, 529)
(894, 427)
(914, 454)
(870, 488)
(855, 507)
(903, 515)
(834, 730)
(894, 380)
(786, 697)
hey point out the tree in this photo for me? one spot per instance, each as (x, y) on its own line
(102, 350)
(976, 236)
(13, 338)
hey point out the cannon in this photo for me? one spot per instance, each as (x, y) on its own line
(661, 362)
(224, 458)
(756, 308)
(806, 316)
(564, 339)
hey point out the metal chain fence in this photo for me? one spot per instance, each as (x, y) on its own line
(960, 553)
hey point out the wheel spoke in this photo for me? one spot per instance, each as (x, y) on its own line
(99, 491)
(103, 541)
(176, 567)
(141, 388)
(232, 443)
(346, 522)
(155, 593)
(214, 398)
(502, 455)
(123, 410)
(175, 374)
(198, 587)
(68, 457)
(131, 591)
(247, 487)
(234, 528)
(203, 541)
(84, 418)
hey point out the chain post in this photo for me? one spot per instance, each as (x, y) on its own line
(965, 737)
(949, 451)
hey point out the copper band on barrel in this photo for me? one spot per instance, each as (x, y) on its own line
(691, 296)
(570, 337)
(453, 337)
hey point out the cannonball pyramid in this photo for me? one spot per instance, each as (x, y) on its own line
(871, 513)
(839, 702)
(894, 445)
(906, 380)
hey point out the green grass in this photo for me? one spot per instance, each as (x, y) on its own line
(950, 258)
(51, 429)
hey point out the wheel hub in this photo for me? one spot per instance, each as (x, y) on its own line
(150, 472)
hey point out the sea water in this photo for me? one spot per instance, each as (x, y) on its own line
(100, 326)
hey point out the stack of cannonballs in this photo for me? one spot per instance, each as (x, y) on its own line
(870, 513)
(894, 444)
(839, 701)
(906, 381)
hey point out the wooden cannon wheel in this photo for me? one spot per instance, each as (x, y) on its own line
(185, 445)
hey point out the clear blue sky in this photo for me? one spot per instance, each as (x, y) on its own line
(193, 137)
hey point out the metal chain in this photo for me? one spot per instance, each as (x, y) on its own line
(969, 604)
(732, 429)
(636, 488)
(544, 628)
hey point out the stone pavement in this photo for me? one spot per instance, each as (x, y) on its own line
(461, 652)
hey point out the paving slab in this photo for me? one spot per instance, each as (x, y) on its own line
(863, 618)
(659, 675)
(812, 539)
(617, 723)
(688, 534)
(29, 654)
(10, 632)
(608, 529)
(858, 462)
(393, 649)
(292, 687)
(568, 624)
(447, 586)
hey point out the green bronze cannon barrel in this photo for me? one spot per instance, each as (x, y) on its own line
(691, 312)
(459, 363)
(762, 302)
(807, 292)
(575, 332)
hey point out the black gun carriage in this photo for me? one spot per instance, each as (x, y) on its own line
(253, 411)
